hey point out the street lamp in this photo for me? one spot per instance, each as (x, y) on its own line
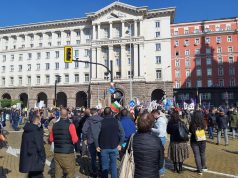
(164, 78)
(128, 32)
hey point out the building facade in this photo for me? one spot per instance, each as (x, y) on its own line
(205, 61)
(136, 39)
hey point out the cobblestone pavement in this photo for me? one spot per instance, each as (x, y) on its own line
(220, 159)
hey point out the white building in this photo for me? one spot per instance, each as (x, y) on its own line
(31, 55)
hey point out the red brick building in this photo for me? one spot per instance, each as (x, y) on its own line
(205, 59)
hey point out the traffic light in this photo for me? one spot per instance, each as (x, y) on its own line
(68, 54)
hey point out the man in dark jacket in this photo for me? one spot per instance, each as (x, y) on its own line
(92, 127)
(32, 155)
(222, 124)
(108, 141)
(64, 137)
(233, 121)
(211, 122)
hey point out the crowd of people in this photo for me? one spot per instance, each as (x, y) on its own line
(104, 135)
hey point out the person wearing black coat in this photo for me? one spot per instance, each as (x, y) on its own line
(32, 154)
(148, 150)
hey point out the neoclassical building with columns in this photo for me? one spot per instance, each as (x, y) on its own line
(136, 39)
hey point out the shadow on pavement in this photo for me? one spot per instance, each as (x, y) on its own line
(4, 172)
(228, 151)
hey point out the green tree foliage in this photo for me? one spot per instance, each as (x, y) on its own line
(6, 103)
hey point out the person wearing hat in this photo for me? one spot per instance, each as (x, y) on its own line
(222, 123)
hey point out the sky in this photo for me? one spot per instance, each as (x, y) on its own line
(15, 12)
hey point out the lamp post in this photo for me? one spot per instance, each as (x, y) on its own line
(164, 78)
(130, 31)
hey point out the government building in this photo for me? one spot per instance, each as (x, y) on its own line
(136, 39)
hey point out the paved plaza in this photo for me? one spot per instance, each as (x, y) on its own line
(221, 161)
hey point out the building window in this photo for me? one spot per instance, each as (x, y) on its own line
(157, 24)
(66, 65)
(199, 72)
(221, 83)
(187, 52)
(3, 69)
(232, 71)
(86, 77)
(47, 55)
(129, 61)
(230, 59)
(76, 78)
(47, 79)
(40, 44)
(157, 34)
(209, 72)
(20, 81)
(78, 42)
(106, 32)
(197, 41)
(59, 35)
(38, 80)
(68, 34)
(158, 59)
(175, 33)
(177, 63)
(230, 49)
(218, 39)
(58, 43)
(208, 50)
(187, 62)
(197, 51)
(219, 50)
(232, 82)
(11, 68)
(11, 80)
(56, 54)
(220, 71)
(186, 42)
(38, 55)
(86, 65)
(76, 53)
(78, 33)
(188, 73)
(3, 81)
(19, 68)
(229, 38)
(199, 83)
(220, 60)
(198, 61)
(68, 42)
(186, 31)
(205, 96)
(158, 46)
(66, 78)
(117, 61)
(106, 75)
(29, 56)
(28, 67)
(228, 27)
(37, 67)
(4, 58)
(188, 84)
(177, 53)
(208, 61)
(29, 80)
(177, 73)
(207, 40)
(31, 45)
(209, 83)
(56, 66)
(12, 57)
(177, 84)
(47, 66)
(159, 74)
(176, 43)
(76, 65)
(86, 52)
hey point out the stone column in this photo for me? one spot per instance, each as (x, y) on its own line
(110, 57)
(93, 56)
(135, 60)
(141, 27)
(99, 31)
(94, 32)
(110, 30)
(54, 39)
(124, 64)
(135, 28)
(123, 29)
(141, 64)
(100, 69)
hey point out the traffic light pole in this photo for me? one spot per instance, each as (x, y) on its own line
(96, 63)
(55, 92)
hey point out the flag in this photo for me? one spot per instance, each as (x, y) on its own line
(115, 107)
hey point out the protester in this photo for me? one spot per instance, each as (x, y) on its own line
(129, 128)
(233, 121)
(198, 147)
(32, 155)
(178, 148)
(211, 122)
(222, 123)
(160, 130)
(64, 137)
(148, 149)
(90, 129)
(108, 142)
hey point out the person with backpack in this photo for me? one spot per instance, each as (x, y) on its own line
(178, 148)
(198, 141)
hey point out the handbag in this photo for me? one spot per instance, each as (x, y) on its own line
(127, 167)
(183, 132)
(200, 135)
